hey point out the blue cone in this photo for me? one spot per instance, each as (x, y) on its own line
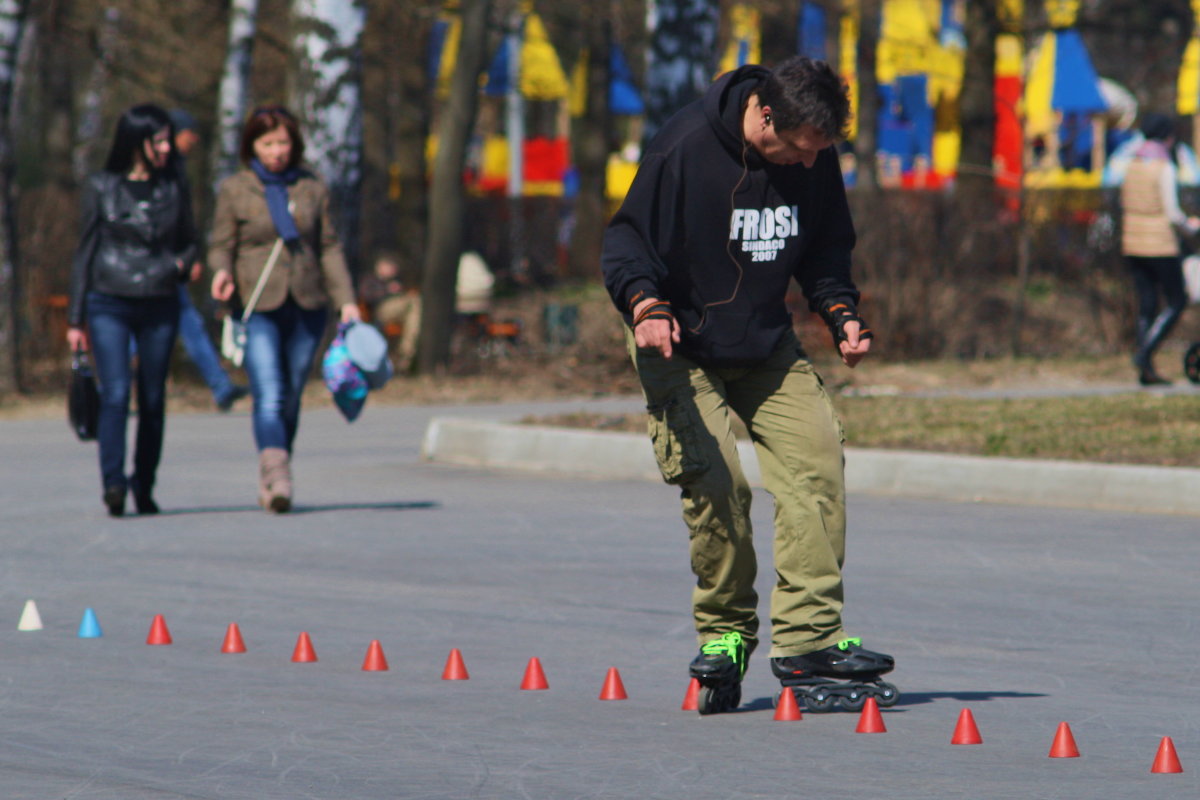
(89, 627)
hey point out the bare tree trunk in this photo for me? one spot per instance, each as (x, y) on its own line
(53, 105)
(681, 58)
(973, 215)
(329, 99)
(1024, 266)
(592, 145)
(977, 104)
(90, 131)
(12, 24)
(833, 33)
(866, 143)
(233, 99)
(447, 201)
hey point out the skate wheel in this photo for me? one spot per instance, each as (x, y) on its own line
(819, 702)
(854, 700)
(1191, 363)
(886, 695)
(718, 700)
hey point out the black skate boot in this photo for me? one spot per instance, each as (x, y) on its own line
(840, 677)
(719, 667)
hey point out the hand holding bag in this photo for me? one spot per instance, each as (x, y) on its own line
(233, 331)
(83, 399)
(343, 378)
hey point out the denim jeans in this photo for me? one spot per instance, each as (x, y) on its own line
(199, 347)
(280, 348)
(114, 323)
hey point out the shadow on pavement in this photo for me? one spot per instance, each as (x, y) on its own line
(304, 509)
(906, 699)
(920, 698)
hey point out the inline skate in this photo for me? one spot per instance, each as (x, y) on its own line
(719, 668)
(838, 678)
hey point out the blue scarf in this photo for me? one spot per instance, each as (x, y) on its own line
(275, 186)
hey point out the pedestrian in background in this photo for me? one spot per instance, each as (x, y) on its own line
(1151, 223)
(193, 331)
(393, 302)
(137, 245)
(276, 198)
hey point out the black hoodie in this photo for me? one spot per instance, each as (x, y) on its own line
(716, 230)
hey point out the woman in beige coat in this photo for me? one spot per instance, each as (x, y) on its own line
(275, 204)
(1150, 222)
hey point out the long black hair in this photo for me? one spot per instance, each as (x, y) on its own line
(134, 128)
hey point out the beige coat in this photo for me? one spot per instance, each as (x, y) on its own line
(1146, 229)
(243, 235)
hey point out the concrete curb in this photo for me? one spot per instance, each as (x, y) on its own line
(1173, 490)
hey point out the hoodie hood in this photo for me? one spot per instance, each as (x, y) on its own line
(725, 100)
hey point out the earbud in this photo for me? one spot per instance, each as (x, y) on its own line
(767, 118)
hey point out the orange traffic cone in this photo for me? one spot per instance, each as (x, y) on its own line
(787, 710)
(691, 698)
(375, 660)
(613, 689)
(304, 651)
(158, 631)
(1166, 760)
(1064, 743)
(966, 732)
(233, 640)
(456, 668)
(870, 720)
(534, 678)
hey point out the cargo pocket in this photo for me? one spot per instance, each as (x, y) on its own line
(674, 431)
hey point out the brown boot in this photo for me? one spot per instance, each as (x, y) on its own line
(274, 480)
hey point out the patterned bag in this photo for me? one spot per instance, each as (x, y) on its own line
(343, 378)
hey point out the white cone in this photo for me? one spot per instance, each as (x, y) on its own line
(31, 620)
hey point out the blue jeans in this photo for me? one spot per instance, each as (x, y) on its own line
(280, 348)
(199, 347)
(114, 323)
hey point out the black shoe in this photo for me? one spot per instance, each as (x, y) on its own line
(145, 504)
(142, 500)
(847, 659)
(1148, 377)
(235, 394)
(114, 498)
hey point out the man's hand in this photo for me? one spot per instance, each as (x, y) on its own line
(850, 334)
(657, 332)
(853, 348)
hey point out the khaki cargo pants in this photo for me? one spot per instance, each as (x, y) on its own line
(798, 440)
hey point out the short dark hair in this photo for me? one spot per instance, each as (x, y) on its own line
(134, 127)
(182, 120)
(1158, 127)
(265, 119)
(804, 91)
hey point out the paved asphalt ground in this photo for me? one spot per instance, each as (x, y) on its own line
(1027, 616)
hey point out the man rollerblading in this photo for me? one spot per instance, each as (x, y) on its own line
(737, 195)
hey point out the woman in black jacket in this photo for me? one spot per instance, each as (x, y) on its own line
(138, 239)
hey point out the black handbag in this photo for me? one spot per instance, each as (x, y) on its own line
(83, 399)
